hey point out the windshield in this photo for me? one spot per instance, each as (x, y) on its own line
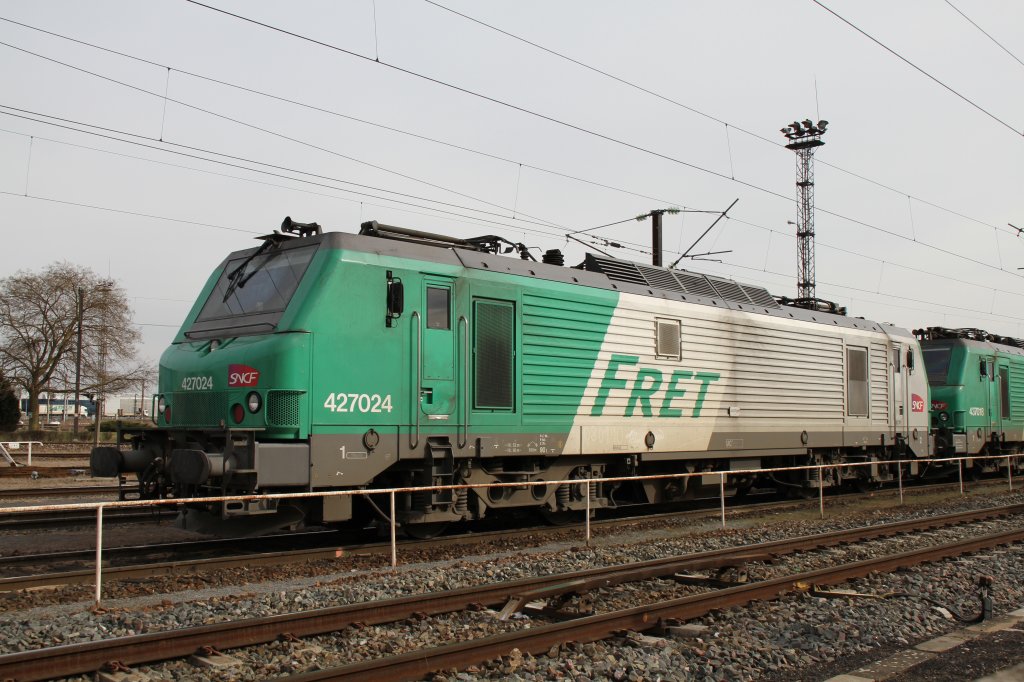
(264, 285)
(936, 362)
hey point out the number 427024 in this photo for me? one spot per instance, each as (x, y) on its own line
(357, 402)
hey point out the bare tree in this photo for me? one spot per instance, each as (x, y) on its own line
(41, 314)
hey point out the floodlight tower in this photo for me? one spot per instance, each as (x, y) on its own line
(804, 137)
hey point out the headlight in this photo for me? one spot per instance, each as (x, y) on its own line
(160, 405)
(254, 401)
(943, 417)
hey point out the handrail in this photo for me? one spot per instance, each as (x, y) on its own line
(465, 380)
(18, 444)
(416, 395)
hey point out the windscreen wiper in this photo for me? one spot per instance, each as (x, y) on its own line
(238, 277)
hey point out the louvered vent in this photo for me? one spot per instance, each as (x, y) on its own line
(663, 279)
(617, 270)
(679, 281)
(667, 341)
(696, 285)
(760, 297)
(729, 290)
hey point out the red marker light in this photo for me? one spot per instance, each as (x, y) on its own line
(237, 413)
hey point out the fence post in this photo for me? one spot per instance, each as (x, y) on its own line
(587, 523)
(30, 453)
(821, 491)
(394, 548)
(899, 473)
(99, 553)
(1009, 471)
(960, 470)
(721, 495)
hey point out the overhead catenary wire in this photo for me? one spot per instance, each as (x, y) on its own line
(556, 121)
(914, 66)
(987, 34)
(858, 254)
(694, 110)
(844, 217)
(452, 145)
(261, 129)
(446, 213)
(727, 265)
(320, 184)
(245, 160)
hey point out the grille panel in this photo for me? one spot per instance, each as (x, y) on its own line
(760, 296)
(697, 285)
(283, 408)
(663, 279)
(617, 270)
(200, 408)
(495, 353)
(730, 291)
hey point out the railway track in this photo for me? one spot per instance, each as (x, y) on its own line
(42, 472)
(80, 491)
(30, 571)
(63, 520)
(90, 656)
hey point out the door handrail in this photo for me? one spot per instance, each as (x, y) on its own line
(417, 391)
(465, 380)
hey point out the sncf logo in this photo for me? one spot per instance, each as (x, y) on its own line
(242, 376)
(916, 403)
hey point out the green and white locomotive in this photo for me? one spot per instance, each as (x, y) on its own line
(397, 358)
(977, 392)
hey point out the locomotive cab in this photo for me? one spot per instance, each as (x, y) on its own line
(231, 412)
(974, 379)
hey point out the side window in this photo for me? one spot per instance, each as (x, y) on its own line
(897, 356)
(1004, 392)
(494, 355)
(666, 343)
(857, 382)
(439, 308)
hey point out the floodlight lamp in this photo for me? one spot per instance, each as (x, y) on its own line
(784, 131)
(808, 124)
(795, 125)
(821, 125)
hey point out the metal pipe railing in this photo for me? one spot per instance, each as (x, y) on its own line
(391, 492)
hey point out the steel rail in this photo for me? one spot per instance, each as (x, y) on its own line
(61, 492)
(26, 471)
(536, 640)
(73, 659)
(175, 568)
(46, 519)
(36, 454)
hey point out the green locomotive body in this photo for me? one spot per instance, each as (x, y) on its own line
(399, 358)
(977, 391)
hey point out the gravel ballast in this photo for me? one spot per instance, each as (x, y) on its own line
(796, 637)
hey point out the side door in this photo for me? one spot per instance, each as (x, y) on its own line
(437, 389)
(1001, 416)
(899, 390)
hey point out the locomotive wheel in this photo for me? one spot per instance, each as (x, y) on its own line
(425, 531)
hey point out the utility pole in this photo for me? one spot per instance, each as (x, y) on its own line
(656, 240)
(78, 361)
(804, 138)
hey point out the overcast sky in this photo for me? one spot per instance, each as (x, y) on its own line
(915, 186)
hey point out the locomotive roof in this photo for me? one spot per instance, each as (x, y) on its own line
(975, 345)
(604, 272)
